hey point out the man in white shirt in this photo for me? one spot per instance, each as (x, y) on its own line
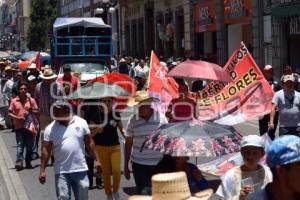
(67, 136)
(141, 67)
(139, 127)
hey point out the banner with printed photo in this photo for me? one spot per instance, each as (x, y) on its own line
(159, 85)
(247, 97)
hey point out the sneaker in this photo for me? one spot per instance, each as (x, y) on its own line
(116, 195)
(28, 165)
(109, 198)
(19, 165)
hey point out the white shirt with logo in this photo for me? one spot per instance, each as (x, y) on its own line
(68, 145)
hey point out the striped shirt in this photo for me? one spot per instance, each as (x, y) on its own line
(139, 129)
(45, 96)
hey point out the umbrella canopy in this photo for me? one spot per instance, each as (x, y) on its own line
(192, 69)
(97, 91)
(194, 138)
(23, 65)
(3, 54)
(15, 53)
(28, 55)
(122, 80)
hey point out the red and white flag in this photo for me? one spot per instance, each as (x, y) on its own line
(159, 85)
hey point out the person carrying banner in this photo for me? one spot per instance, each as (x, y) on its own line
(287, 101)
(265, 120)
(182, 108)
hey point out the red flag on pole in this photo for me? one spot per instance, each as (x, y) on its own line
(159, 85)
(38, 61)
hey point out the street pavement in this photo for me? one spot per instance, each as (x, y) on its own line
(24, 185)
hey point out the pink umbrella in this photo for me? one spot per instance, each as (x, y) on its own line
(192, 69)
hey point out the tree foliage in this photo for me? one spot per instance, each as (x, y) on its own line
(42, 16)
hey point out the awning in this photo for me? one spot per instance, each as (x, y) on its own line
(286, 10)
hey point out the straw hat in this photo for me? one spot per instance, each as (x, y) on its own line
(172, 186)
(32, 66)
(141, 97)
(48, 74)
(8, 68)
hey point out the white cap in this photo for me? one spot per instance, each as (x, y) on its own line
(268, 67)
(253, 141)
(288, 78)
(163, 64)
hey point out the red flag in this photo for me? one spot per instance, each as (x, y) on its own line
(159, 84)
(38, 61)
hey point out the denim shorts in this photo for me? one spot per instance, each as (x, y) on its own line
(77, 181)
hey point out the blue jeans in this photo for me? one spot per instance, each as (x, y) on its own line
(78, 181)
(24, 139)
(142, 176)
(35, 148)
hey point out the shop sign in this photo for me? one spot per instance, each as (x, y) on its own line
(237, 11)
(295, 26)
(205, 16)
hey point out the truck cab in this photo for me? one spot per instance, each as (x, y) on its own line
(83, 43)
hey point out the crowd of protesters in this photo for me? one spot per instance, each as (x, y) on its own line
(40, 94)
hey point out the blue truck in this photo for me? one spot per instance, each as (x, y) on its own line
(83, 43)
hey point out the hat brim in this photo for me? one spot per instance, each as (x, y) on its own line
(132, 102)
(48, 77)
(203, 195)
(289, 80)
(252, 145)
(141, 197)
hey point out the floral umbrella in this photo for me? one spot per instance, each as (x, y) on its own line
(194, 138)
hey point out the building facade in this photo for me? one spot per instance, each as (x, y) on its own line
(23, 20)
(8, 25)
(286, 34)
(160, 25)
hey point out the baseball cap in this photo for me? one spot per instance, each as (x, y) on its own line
(61, 104)
(31, 78)
(284, 150)
(122, 60)
(288, 78)
(253, 141)
(268, 67)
